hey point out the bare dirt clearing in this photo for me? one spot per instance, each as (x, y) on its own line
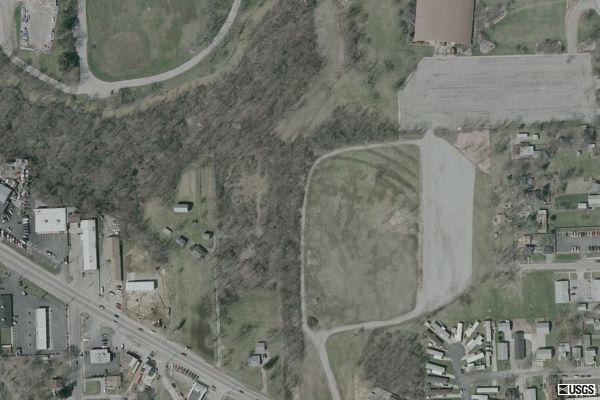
(454, 91)
(476, 147)
(361, 246)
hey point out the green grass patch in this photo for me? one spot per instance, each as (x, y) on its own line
(587, 164)
(589, 26)
(5, 336)
(508, 298)
(570, 201)
(503, 365)
(565, 258)
(527, 23)
(92, 387)
(137, 38)
(244, 323)
(575, 218)
(361, 235)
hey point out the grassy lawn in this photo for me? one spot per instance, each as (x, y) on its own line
(506, 298)
(244, 323)
(361, 249)
(137, 38)
(5, 336)
(566, 258)
(527, 23)
(190, 280)
(570, 201)
(589, 26)
(576, 218)
(313, 384)
(503, 365)
(92, 387)
(483, 240)
(344, 352)
(567, 158)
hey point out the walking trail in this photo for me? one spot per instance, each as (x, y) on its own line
(88, 83)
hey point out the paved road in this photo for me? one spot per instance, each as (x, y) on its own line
(166, 350)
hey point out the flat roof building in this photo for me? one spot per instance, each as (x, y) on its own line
(530, 394)
(197, 392)
(503, 351)
(444, 21)
(544, 353)
(519, 345)
(561, 291)
(100, 356)
(6, 310)
(140, 286)
(182, 207)
(594, 200)
(42, 329)
(90, 245)
(50, 220)
(542, 327)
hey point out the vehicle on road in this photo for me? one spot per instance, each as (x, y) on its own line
(119, 306)
(101, 307)
(188, 348)
(184, 354)
(116, 315)
(141, 329)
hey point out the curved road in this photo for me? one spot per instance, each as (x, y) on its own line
(572, 21)
(88, 83)
(446, 266)
(166, 350)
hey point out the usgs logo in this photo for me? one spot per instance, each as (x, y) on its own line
(576, 389)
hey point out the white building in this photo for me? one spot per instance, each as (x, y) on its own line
(595, 292)
(471, 358)
(530, 394)
(197, 392)
(488, 330)
(435, 353)
(140, 286)
(182, 207)
(42, 331)
(435, 369)
(459, 332)
(89, 244)
(594, 200)
(50, 220)
(503, 351)
(543, 327)
(488, 390)
(99, 356)
(544, 354)
(561, 291)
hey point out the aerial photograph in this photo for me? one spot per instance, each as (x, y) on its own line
(299, 199)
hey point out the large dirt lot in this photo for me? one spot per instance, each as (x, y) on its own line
(494, 89)
(361, 235)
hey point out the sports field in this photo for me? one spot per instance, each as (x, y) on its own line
(361, 236)
(137, 38)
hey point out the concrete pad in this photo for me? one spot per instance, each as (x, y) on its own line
(452, 91)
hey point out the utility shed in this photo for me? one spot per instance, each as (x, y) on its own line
(50, 220)
(561, 291)
(89, 244)
(182, 207)
(444, 21)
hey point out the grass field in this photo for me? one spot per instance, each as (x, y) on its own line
(361, 246)
(508, 298)
(136, 38)
(589, 26)
(92, 387)
(576, 218)
(190, 281)
(313, 384)
(570, 201)
(527, 23)
(5, 336)
(244, 324)
(567, 158)
(344, 351)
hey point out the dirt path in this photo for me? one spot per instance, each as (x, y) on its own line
(572, 16)
(445, 240)
(88, 83)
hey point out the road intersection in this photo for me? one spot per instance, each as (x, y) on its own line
(165, 350)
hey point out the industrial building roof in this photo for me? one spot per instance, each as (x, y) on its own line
(144, 285)
(502, 351)
(88, 241)
(50, 220)
(519, 345)
(444, 21)
(99, 356)
(42, 339)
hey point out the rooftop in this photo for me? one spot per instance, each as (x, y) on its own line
(444, 21)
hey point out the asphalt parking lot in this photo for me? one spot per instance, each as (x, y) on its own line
(452, 91)
(24, 332)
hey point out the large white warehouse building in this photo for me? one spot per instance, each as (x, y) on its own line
(50, 220)
(42, 329)
(89, 244)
